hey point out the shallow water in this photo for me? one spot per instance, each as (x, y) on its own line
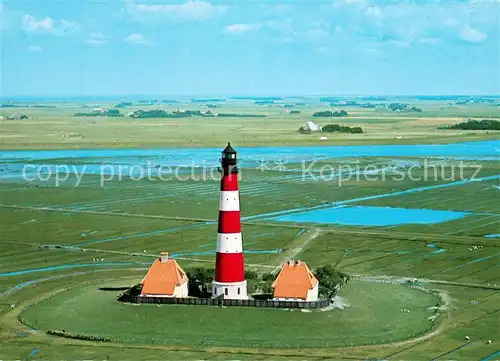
(211, 155)
(140, 161)
(372, 216)
(69, 266)
(121, 264)
(340, 204)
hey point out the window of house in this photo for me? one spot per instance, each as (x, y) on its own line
(238, 290)
(225, 291)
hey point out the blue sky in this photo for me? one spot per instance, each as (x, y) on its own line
(115, 47)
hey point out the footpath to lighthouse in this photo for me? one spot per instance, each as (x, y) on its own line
(297, 246)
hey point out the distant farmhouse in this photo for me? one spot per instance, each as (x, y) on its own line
(15, 116)
(310, 127)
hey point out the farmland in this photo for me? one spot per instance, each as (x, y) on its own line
(62, 239)
(57, 128)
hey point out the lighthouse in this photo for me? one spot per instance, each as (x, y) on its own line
(229, 281)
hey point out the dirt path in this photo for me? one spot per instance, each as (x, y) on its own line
(403, 280)
(297, 246)
(445, 304)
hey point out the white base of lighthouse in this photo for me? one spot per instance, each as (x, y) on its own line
(233, 291)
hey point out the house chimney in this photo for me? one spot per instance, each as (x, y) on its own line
(164, 257)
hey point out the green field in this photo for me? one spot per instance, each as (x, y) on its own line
(56, 128)
(91, 311)
(62, 242)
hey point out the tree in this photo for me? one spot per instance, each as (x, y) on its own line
(485, 124)
(251, 275)
(341, 128)
(204, 275)
(328, 113)
(329, 279)
(268, 277)
(266, 287)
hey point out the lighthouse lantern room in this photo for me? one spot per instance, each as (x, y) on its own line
(229, 281)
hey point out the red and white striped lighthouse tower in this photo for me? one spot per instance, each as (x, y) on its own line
(229, 279)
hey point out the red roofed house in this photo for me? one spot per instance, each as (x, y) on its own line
(165, 278)
(295, 282)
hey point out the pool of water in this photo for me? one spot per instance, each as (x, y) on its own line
(371, 216)
(497, 235)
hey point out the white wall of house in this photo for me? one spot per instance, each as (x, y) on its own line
(312, 295)
(179, 292)
(287, 299)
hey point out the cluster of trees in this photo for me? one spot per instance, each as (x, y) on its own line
(347, 103)
(157, 101)
(123, 105)
(475, 100)
(485, 124)
(107, 113)
(256, 98)
(373, 98)
(158, 113)
(398, 106)
(213, 100)
(402, 107)
(294, 111)
(330, 128)
(15, 116)
(330, 280)
(200, 281)
(328, 113)
(78, 336)
(367, 106)
(235, 115)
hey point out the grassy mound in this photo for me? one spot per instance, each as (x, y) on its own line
(373, 316)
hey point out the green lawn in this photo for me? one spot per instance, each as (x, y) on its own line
(374, 316)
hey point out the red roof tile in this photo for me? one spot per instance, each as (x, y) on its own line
(294, 281)
(163, 276)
